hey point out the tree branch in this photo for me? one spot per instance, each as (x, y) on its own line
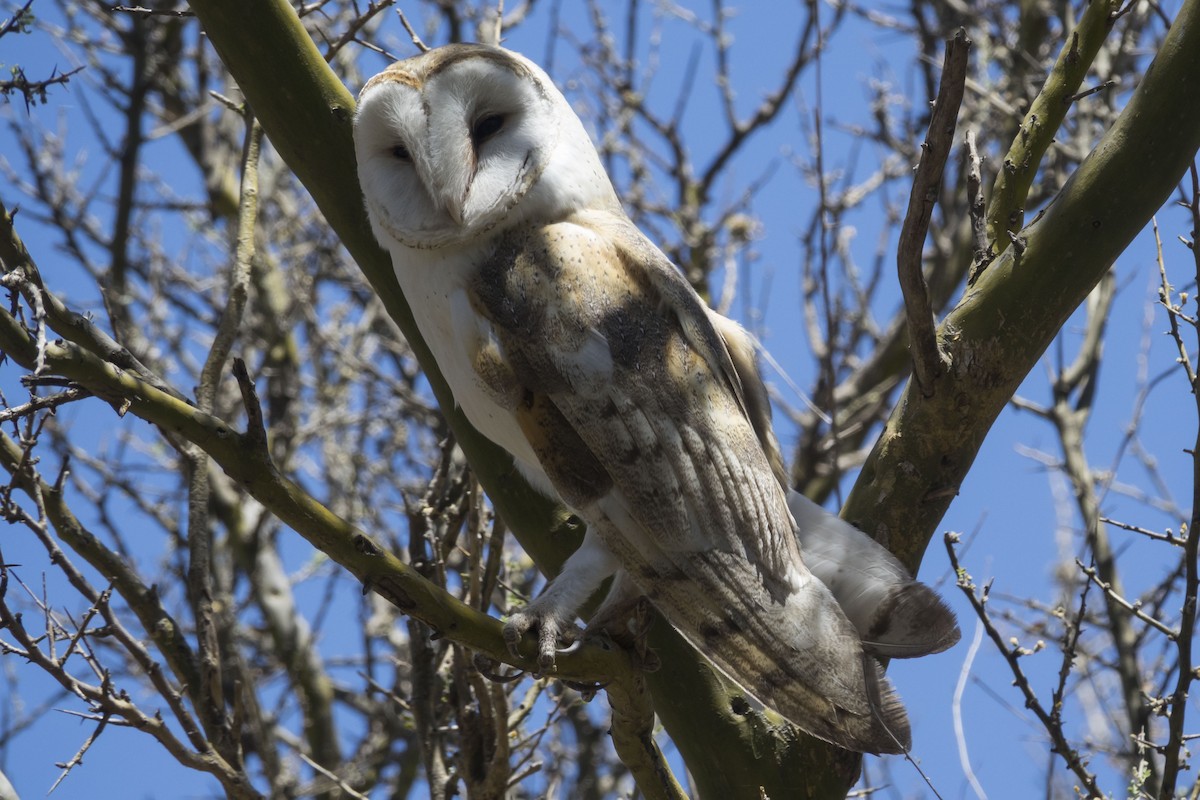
(249, 464)
(1005, 321)
(928, 362)
(1050, 721)
(1006, 212)
(1175, 753)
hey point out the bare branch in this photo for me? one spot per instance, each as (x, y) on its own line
(412, 34)
(1185, 675)
(1052, 724)
(359, 22)
(162, 12)
(980, 252)
(928, 360)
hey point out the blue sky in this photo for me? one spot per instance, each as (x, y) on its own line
(1006, 507)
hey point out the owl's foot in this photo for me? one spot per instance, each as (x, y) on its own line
(553, 613)
(626, 620)
(553, 633)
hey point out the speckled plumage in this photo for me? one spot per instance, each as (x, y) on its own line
(571, 341)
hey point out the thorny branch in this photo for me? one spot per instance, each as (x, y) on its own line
(33, 92)
(1051, 721)
(1174, 752)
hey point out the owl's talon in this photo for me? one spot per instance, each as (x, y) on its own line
(570, 648)
(513, 631)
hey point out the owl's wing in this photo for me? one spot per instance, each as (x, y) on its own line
(628, 397)
(895, 615)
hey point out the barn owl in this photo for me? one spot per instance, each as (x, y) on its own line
(572, 342)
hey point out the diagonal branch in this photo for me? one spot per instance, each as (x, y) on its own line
(1016, 307)
(1075, 761)
(245, 458)
(70, 325)
(1006, 211)
(1175, 761)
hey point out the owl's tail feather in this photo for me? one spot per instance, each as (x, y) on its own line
(792, 650)
(802, 659)
(896, 616)
(886, 705)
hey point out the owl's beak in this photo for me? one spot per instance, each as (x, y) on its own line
(452, 196)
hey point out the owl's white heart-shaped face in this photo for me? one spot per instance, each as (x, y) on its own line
(452, 143)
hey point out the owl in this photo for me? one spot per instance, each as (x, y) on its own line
(571, 341)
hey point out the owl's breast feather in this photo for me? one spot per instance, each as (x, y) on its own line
(436, 287)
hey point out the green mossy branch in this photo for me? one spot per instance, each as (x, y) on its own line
(250, 466)
(1008, 317)
(308, 116)
(1006, 209)
(1014, 309)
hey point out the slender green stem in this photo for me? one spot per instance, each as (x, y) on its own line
(1006, 212)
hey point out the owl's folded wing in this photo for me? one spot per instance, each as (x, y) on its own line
(627, 397)
(895, 615)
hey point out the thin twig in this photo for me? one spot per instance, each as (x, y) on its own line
(1167, 537)
(34, 91)
(825, 354)
(18, 21)
(1131, 607)
(977, 208)
(1174, 756)
(412, 34)
(69, 324)
(960, 735)
(1086, 92)
(1053, 727)
(355, 26)
(77, 759)
(50, 403)
(154, 12)
(332, 776)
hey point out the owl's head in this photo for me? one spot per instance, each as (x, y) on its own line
(467, 139)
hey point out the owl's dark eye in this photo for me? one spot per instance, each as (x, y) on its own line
(486, 127)
(400, 153)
